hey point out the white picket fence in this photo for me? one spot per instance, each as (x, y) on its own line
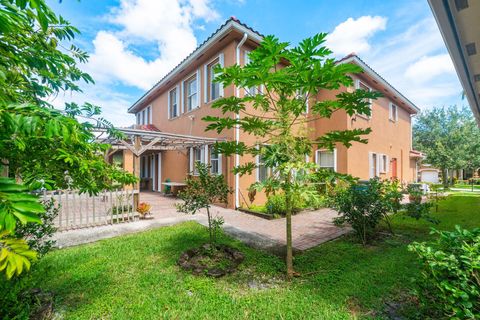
(82, 210)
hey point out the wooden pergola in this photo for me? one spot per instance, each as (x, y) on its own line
(140, 141)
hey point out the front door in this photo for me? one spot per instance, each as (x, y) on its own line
(394, 168)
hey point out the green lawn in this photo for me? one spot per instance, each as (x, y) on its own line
(467, 186)
(135, 276)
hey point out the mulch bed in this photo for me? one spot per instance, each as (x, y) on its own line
(211, 261)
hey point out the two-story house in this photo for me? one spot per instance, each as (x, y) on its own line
(177, 103)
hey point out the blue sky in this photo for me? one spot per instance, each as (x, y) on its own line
(133, 43)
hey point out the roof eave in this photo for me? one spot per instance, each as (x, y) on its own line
(446, 24)
(374, 75)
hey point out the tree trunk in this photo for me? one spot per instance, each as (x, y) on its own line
(209, 225)
(289, 256)
(445, 178)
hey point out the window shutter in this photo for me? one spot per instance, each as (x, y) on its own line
(168, 105)
(390, 111)
(190, 162)
(387, 163)
(205, 84)
(205, 155)
(182, 95)
(335, 159)
(150, 121)
(221, 62)
(178, 100)
(220, 164)
(371, 166)
(198, 87)
(378, 165)
(246, 59)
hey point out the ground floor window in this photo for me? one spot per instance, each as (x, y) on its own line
(326, 159)
(263, 172)
(198, 157)
(215, 162)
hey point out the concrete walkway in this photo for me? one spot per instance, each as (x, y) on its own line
(309, 228)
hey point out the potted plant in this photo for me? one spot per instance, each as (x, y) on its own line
(414, 192)
(144, 210)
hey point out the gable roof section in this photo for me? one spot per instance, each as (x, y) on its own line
(353, 58)
(231, 24)
(234, 24)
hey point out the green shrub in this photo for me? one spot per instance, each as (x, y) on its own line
(276, 205)
(316, 202)
(364, 205)
(451, 272)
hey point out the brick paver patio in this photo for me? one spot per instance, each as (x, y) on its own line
(309, 228)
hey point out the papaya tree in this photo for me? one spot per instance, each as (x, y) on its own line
(287, 78)
(41, 147)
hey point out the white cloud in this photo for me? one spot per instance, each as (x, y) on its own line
(114, 104)
(353, 35)
(167, 24)
(429, 67)
(415, 62)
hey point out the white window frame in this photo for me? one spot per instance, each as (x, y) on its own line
(382, 164)
(218, 159)
(186, 82)
(207, 84)
(317, 158)
(193, 160)
(177, 104)
(144, 116)
(391, 116)
(358, 83)
(251, 91)
(257, 171)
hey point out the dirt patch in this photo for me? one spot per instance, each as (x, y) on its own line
(213, 261)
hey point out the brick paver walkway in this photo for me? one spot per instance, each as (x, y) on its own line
(309, 228)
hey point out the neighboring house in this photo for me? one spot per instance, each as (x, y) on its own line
(428, 174)
(177, 103)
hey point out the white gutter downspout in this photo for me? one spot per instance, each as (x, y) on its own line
(237, 128)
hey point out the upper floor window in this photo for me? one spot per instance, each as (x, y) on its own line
(144, 116)
(326, 159)
(362, 86)
(393, 112)
(173, 107)
(253, 90)
(213, 90)
(191, 92)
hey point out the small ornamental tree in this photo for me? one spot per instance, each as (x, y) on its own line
(201, 192)
(286, 79)
(364, 205)
(40, 146)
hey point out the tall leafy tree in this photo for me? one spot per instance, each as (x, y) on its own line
(449, 137)
(41, 146)
(288, 77)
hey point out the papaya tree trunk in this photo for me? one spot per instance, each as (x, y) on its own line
(210, 231)
(289, 256)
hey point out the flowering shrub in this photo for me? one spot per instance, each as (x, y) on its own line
(144, 208)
